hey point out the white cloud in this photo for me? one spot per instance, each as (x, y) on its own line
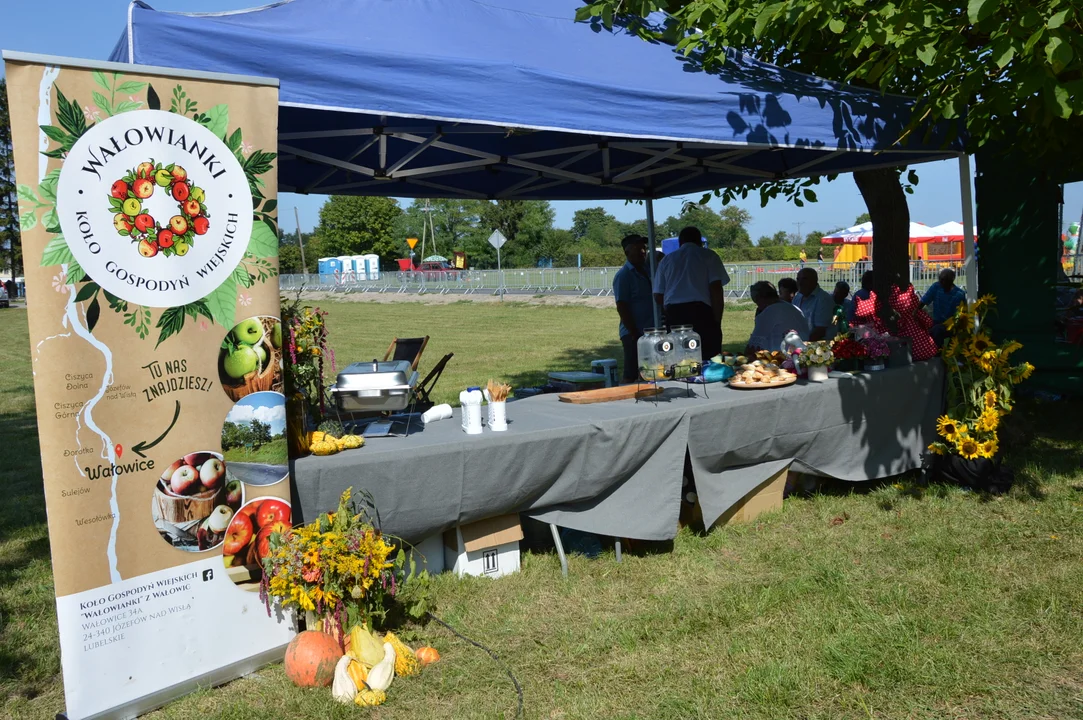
(273, 415)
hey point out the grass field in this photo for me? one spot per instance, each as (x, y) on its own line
(273, 453)
(886, 600)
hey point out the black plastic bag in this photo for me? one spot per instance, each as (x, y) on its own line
(980, 474)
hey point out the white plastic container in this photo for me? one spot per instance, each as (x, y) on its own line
(817, 373)
(437, 412)
(498, 416)
(470, 400)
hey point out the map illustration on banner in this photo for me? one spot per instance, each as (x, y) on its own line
(147, 206)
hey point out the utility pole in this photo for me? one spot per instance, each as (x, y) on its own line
(800, 237)
(304, 266)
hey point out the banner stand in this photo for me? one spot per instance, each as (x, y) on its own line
(148, 214)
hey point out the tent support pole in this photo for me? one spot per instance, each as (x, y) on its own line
(970, 268)
(650, 257)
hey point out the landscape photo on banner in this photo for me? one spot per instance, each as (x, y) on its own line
(147, 203)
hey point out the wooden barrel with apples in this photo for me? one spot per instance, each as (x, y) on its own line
(179, 509)
(254, 381)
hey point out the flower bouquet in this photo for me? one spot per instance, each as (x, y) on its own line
(817, 357)
(341, 570)
(305, 348)
(848, 353)
(980, 380)
(877, 351)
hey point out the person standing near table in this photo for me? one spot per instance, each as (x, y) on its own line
(816, 304)
(689, 285)
(944, 296)
(774, 319)
(787, 289)
(635, 302)
(841, 296)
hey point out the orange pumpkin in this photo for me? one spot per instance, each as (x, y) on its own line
(427, 655)
(311, 658)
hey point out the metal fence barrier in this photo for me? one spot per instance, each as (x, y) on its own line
(597, 281)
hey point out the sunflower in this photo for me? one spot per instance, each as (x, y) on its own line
(988, 449)
(949, 428)
(1011, 347)
(981, 344)
(968, 447)
(990, 399)
(938, 448)
(984, 303)
(988, 421)
(951, 349)
(1019, 373)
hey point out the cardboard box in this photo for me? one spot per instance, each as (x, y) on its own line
(765, 497)
(488, 548)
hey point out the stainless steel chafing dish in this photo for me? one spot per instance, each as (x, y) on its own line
(374, 386)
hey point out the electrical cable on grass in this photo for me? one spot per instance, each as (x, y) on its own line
(494, 656)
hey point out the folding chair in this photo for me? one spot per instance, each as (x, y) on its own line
(407, 349)
(422, 398)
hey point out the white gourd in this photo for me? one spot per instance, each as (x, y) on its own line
(343, 688)
(383, 672)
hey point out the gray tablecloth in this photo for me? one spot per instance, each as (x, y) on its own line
(616, 468)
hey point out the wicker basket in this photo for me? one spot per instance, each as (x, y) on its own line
(252, 382)
(179, 509)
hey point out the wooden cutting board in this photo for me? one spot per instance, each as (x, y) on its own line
(621, 392)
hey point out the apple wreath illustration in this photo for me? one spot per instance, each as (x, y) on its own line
(177, 236)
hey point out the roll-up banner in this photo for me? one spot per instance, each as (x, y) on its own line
(147, 205)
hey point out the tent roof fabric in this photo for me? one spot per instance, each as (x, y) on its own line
(513, 99)
(919, 233)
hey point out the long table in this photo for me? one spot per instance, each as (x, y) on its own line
(617, 468)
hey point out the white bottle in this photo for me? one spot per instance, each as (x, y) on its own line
(470, 400)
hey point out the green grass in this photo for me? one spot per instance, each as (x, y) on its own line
(273, 453)
(514, 342)
(885, 600)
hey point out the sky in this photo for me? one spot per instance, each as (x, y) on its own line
(90, 29)
(267, 407)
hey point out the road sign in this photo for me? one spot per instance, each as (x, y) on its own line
(412, 242)
(497, 239)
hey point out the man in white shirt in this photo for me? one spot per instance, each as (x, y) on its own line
(816, 304)
(688, 284)
(775, 318)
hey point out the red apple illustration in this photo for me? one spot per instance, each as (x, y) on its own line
(165, 238)
(191, 208)
(179, 173)
(144, 170)
(201, 225)
(178, 224)
(119, 190)
(271, 511)
(180, 191)
(233, 493)
(143, 188)
(238, 534)
(263, 539)
(143, 222)
(197, 459)
(168, 474)
(184, 480)
(148, 248)
(212, 472)
(250, 511)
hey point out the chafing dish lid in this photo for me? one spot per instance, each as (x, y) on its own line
(375, 376)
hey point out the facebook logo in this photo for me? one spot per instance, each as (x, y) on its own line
(489, 563)
(208, 575)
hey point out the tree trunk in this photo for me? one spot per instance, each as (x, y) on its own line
(886, 201)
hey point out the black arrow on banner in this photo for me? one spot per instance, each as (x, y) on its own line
(139, 447)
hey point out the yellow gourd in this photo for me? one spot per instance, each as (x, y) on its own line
(364, 647)
(349, 442)
(358, 673)
(315, 436)
(370, 698)
(405, 660)
(323, 447)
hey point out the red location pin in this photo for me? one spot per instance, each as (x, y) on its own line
(119, 450)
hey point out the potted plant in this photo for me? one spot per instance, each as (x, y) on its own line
(817, 357)
(341, 571)
(848, 353)
(305, 348)
(980, 382)
(876, 351)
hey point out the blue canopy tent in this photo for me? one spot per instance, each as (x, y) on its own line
(496, 99)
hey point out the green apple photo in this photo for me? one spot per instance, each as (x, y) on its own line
(250, 359)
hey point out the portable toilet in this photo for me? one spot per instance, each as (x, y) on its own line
(326, 266)
(372, 266)
(359, 266)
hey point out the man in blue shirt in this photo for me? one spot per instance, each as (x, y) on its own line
(635, 301)
(944, 296)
